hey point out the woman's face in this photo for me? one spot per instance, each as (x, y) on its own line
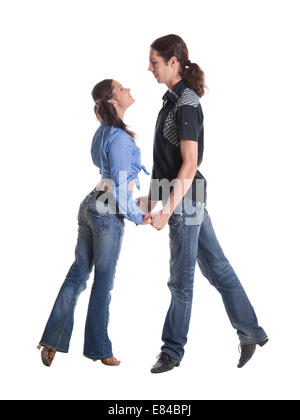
(121, 96)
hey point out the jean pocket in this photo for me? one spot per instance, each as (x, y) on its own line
(194, 214)
(176, 219)
(99, 222)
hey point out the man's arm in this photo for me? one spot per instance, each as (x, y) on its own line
(186, 174)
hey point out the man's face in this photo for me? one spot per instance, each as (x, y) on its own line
(161, 71)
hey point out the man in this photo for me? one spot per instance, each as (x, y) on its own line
(178, 150)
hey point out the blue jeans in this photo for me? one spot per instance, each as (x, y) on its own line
(98, 245)
(192, 239)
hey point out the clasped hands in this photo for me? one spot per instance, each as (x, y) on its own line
(157, 219)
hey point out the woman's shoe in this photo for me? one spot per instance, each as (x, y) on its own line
(110, 361)
(47, 355)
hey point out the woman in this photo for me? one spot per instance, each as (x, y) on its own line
(101, 227)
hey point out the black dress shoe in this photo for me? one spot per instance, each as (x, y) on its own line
(247, 351)
(164, 363)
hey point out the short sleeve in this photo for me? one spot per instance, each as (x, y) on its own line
(188, 122)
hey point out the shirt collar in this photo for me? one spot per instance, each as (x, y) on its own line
(176, 92)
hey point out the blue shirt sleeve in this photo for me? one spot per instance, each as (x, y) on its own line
(120, 157)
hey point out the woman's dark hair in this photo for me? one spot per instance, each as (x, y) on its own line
(105, 111)
(172, 45)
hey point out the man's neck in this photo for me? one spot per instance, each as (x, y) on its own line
(173, 82)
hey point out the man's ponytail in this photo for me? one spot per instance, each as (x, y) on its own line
(194, 78)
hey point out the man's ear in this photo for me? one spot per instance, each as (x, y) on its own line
(173, 61)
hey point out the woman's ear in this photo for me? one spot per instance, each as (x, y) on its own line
(112, 101)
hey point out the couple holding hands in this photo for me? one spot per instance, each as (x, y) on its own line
(176, 181)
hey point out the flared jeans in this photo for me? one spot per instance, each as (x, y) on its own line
(98, 246)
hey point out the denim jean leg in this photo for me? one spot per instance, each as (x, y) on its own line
(183, 248)
(58, 331)
(217, 269)
(107, 245)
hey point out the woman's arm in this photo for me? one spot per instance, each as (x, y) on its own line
(120, 156)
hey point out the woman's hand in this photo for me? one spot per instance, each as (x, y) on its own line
(146, 219)
(145, 204)
(160, 219)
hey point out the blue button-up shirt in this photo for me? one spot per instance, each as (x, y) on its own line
(118, 158)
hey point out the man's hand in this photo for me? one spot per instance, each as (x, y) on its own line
(159, 219)
(145, 204)
(146, 219)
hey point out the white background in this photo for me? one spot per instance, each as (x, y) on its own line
(52, 54)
